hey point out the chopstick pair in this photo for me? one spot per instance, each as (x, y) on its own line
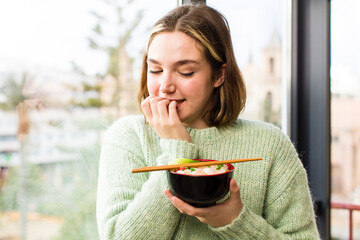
(197, 164)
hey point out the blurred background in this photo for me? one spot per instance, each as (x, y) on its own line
(69, 69)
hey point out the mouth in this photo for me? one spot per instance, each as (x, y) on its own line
(178, 102)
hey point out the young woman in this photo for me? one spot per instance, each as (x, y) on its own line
(191, 93)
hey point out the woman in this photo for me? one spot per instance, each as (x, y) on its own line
(191, 94)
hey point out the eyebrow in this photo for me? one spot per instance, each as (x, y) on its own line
(178, 63)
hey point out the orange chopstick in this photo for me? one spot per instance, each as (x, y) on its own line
(197, 164)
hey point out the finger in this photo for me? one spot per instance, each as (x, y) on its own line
(168, 194)
(186, 208)
(178, 204)
(173, 112)
(145, 107)
(234, 190)
(170, 197)
(163, 110)
(154, 108)
(203, 220)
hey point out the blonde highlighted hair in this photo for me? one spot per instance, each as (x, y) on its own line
(211, 30)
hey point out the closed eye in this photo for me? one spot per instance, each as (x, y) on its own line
(187, 74)
(155, 72)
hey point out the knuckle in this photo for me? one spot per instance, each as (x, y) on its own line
(164, 102)
(161, 103)
(143, 106)
(154, 122)
(169, 124)
(172, 122)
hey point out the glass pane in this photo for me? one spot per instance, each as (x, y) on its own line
(260, 32)
(345, 115)
(71, 69)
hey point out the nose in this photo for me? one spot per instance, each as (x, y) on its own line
(167, 84)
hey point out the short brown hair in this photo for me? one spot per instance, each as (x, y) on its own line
(210, 28)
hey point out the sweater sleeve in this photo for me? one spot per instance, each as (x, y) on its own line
(173, 148)
(288, 209)
(133, 205)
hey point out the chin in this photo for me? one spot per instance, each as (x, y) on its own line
(183, 120)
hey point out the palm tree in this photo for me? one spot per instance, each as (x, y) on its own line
(12, 91)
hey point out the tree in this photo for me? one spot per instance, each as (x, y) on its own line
(22, 180)
(114, 42)
(10, 193)
(78, 209)
(80, 222)
(12, 91)
(91, 102)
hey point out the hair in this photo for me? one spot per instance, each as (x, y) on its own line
(211, 29)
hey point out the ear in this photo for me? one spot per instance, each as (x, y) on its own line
(220, 76)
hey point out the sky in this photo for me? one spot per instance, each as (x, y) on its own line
(251, 24)
(345, 47)
(53, 33)
(345, 33)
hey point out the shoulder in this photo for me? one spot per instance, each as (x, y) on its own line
(264, 136)
(129, 121)
(125, 128)
(258, 129)
(254, 123)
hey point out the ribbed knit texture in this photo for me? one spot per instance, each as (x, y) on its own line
(275, 194)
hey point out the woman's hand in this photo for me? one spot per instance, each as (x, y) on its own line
(163, 118)
(216, 216)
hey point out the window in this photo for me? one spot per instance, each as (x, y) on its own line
(67, 55)
(271, 66)
(260, 31)
(345, 115)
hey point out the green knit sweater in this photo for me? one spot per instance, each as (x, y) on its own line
(275, 194)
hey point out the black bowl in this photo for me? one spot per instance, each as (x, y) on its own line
(200, 191)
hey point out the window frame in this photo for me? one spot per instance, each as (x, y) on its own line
(310, 100)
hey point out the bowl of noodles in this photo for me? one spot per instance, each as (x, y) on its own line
(201, 186)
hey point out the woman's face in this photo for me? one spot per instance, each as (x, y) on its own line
(179, 71)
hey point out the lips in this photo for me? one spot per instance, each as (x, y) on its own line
(178, 102)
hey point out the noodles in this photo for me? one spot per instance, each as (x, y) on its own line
(201, 171)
